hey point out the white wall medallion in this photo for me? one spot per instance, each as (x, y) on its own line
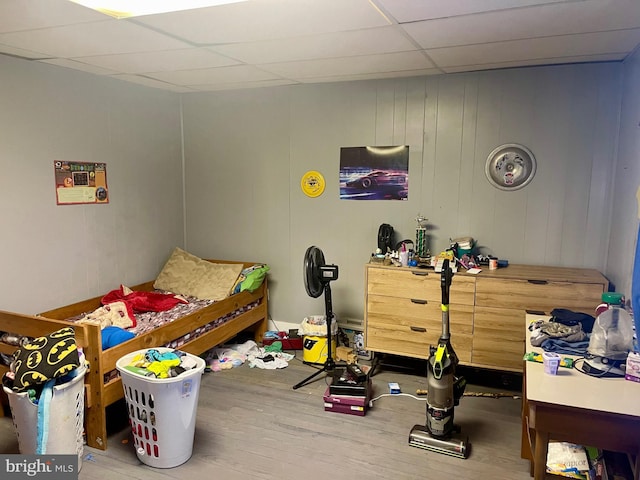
(510, 167)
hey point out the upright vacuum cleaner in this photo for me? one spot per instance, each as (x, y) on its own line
(444, 390)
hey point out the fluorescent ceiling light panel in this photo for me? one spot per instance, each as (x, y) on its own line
(136, 8)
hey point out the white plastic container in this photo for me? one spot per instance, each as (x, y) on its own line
(612, 335)
(66, 419)
(551, 362)
(162, 412)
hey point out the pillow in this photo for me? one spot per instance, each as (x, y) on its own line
(187, 274)
(44, 358)
(254, 279)
(112, 336)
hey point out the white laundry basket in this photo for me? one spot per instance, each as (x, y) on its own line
(65, 423)
(162, 411)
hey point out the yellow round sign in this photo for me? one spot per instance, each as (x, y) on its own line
(312, 184)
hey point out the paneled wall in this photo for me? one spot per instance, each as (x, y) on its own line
(53, 255)
(625, 214)
(246, 152)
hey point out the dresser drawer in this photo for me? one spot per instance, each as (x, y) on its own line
(389, 312)
(497, 342)
(418, 284)
(402, 326)
(406, 342)
(537, 294)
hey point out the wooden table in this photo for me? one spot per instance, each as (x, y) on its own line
(575, 407)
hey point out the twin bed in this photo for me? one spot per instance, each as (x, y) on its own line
(196, 332)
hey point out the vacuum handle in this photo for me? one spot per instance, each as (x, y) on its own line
(445, 281)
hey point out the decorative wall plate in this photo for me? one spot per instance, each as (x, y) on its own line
(510, 167)
(312, 184)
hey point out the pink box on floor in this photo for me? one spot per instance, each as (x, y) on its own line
(349, 404)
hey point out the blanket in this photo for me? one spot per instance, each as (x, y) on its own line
(120, 306)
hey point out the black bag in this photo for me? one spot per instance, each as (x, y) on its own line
(569, 317)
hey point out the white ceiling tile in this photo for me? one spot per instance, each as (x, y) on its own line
(16, 15)
(163, 61)
(279, 42)
(543, 21)
(64, 62)
(328, 45)
(390, 62)
(537, 48)
(19, 52)
(96, 38)
(233, 74)
(241, 85)
(416, 10)
(150, 82)
(372, 76)
(266, 20)
(536, 62)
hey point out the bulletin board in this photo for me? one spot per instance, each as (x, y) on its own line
(80, 183)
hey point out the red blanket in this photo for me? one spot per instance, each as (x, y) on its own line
(142, 301)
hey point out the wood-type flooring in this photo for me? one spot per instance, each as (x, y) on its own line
(251, 424)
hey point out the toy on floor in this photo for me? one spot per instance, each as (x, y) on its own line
(346, 354)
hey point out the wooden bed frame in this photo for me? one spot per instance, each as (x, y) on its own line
(99, 395)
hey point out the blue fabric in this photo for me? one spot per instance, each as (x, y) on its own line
(44, 403)
(43, 416)
(562, 347)
(112, 336)
(635, 287)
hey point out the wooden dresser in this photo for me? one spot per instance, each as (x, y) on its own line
(403, 316)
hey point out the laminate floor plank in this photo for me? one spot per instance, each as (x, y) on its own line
(252, 424)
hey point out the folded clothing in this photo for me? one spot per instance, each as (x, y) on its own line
(542, 331)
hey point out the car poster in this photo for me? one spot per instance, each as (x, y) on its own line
(374, 173)
(80, 182)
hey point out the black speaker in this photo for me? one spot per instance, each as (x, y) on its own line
(385, 237)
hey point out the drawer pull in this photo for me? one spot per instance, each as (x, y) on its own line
(418, 329)
(417, 300)
(538, 282)
(535, 312)
(420, 273)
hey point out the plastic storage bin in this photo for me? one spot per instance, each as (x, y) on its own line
(162, 412)
(66, 419)
(316, 349)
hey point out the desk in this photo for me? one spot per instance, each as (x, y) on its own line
(574, 407)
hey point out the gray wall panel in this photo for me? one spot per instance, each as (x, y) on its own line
(54, 255)
(451, 124)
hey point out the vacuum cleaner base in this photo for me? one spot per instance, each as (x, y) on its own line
(454, 445)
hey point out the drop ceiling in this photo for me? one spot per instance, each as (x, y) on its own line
(284, 42)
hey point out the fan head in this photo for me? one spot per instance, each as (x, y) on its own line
(317, 275)
(313, 263)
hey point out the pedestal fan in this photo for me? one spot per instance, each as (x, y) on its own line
(317, 276)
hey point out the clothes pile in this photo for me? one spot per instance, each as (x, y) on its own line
(156, 364)
(566, 333)
(270, 357)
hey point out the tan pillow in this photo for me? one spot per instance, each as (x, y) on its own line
(187, 274)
